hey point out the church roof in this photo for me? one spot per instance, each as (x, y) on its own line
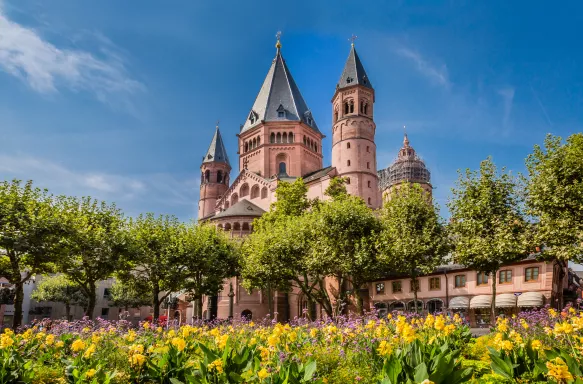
(317, 174)
(242, 208)
(216, 151)
(354, 72)
(279, 99)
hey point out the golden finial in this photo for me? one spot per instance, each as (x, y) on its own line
(278, 36)
(352, 38)
(218, 124)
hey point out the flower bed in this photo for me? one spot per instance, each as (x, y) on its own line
(545, 346)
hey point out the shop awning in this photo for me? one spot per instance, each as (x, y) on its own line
(531, 299)
(481, 301)
(506, 300)
(459, 302)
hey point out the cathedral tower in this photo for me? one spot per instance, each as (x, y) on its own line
(353, 145)
(280, 136)
(214, 179)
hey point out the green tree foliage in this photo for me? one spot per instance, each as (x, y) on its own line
(413, 239)
(130, 293)
(554, 197)
(29, 231)
(207, 257)
(342, 244)
(487, 224)
(59, 289)
(96, 239)
(151, 260)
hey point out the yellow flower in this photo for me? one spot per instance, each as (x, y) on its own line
(27, 335)
(78, 345)
(59, 344)
(264, 353)
(89, 352)
(159, 329)
(536, 345)
(146, 325)
(552, 312)
(217, 364)
(179, 343)
(251, 324)
(95, 338)
(50, 339)
(252, 342)
(385, 348)
(8, 331)
(86, 330)
(6, 341)
(523, 323)
(562, 328)
(558, 370)
(502, 325)
(572, 310)
(137, 359)
(429, 320)
(506, 345)
(439, 323)
(273, 340)
(90, 373)
(262, 374)
(313, 333)
(136, 348)
(427, 381)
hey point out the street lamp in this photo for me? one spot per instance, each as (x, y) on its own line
(231, 300)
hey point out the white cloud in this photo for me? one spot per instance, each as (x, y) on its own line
(437, 75)
(508, 99)
(46, 68)
(143, 192)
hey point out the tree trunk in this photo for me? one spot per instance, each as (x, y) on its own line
(91, 302)
(18, 299)
(270, 300)
(415, 298)
(199, 304)
(67, 311)
(311, 309)
(325, 299)
(493, 309)
(357, 298)
(156, 303)
(560, 281)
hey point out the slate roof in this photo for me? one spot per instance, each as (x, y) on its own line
(242, 208)
(354, 72)
(216, 151)
(279, 93)
(317, 174)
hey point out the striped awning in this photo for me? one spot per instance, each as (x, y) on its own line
(459, 302)
(481, 301)
(531, 299)
(505, 300)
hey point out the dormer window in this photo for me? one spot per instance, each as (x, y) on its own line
(252, 117)
(308, 117)
(281, 112)
(349, 80)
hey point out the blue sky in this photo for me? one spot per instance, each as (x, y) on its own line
(119, 99)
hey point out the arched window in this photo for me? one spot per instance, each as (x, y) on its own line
(367, 165)
(227, 204)
(246, 147)
(255, 191)
(220, 226)
(365, 109)
(290, 137)
(264, 192)
(336, 115)
(246, 315)
(228, 227)
(202, 177)
(244, 191)
(351, 105)
(236, 227)
(346, 108)
(207, 176)
(245, 226)
(348, 163)
(284, 137)
(258, 140)
(369, 183)
(348, 145)
(254, 143)
(369, 201)
(272, 138)
(278, 137)
(305, 140)
(219, 176)
(282, 168)
(348, 180)
(234, 199)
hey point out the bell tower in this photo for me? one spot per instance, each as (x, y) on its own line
(214, 179)
(353, 131)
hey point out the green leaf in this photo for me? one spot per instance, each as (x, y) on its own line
(309, 370)
(421, 373)
(392, 368)
(175, 381)
(500, 367)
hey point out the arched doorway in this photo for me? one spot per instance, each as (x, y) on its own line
(434, 305)
(246, 315)
(411, 306)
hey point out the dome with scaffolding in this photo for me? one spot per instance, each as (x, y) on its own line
(408, 167)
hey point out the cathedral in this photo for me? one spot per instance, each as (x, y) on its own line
(281, 141)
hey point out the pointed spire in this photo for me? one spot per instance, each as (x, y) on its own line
(279, 98)
(354, 72)
(216, 152)
(405, 139)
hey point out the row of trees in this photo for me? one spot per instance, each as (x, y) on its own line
(496, 219)
(85, 241)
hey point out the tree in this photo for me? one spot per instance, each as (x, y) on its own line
(274, 256)
(487, 224)
(130, 293)
(554, 197)
(29, 231)
(59, 289)
(342, 242)
(95, 241)
(151, 260)
(207, 257)
(413, 239)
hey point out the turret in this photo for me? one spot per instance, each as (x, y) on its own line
(214, 180)
(353, 132)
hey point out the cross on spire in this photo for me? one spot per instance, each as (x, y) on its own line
(352, 38)
(278, 37)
